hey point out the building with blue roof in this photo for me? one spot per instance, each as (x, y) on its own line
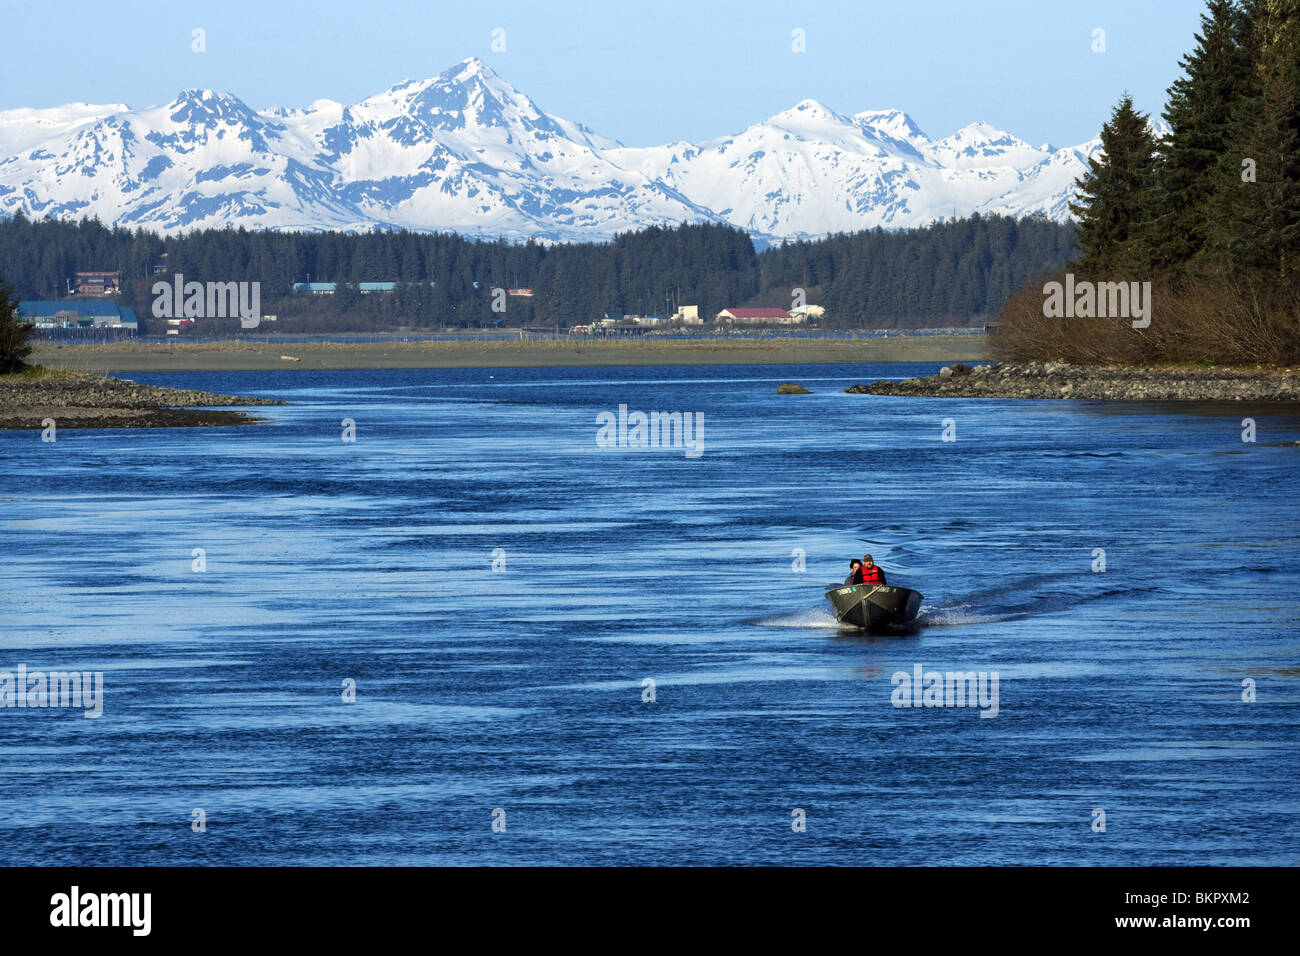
(329, 288)
(76, 314)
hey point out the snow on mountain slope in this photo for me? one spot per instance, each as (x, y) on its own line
(809, 171)
(896, 126)
(22, 129)
(466, 151)
(981, 146)
(806, 171)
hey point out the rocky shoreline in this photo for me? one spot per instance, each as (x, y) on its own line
(1039, 380)
(81, 400)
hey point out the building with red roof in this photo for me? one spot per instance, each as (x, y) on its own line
(759, 316)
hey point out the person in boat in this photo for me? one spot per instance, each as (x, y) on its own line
(855, 572)
(871, 574)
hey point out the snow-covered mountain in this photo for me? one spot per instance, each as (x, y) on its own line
(467, 152)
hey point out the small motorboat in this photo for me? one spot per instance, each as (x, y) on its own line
(878, 607)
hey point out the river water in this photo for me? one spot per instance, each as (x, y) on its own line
(567, 652)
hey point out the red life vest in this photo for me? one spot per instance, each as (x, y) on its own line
(873, 575)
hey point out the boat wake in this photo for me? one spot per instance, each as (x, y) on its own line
(957, 616)
(1039, 595)
(809, 617)
(1032, 595)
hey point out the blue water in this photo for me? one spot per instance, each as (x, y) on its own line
(522, 690)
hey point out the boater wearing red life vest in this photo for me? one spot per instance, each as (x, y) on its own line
(872, 574)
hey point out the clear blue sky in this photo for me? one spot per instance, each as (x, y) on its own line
(640, 72)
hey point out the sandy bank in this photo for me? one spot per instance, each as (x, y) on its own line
(258, 356)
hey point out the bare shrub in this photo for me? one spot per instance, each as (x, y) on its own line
(1213, 318)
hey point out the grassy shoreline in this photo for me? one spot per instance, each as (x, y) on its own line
(261, 356)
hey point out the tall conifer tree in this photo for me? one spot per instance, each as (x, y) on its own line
(1254, 211)
(1116, 195)
(1199, 113)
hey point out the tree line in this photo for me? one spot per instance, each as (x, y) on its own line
(947, 273)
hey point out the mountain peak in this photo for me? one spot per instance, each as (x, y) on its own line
(474, 66)
(474, 72)
(805, 113)
(979, 131)
(893, 123)
(982, 145)
(467, 101)
(203, 107)
(199, 95)
(811, 106)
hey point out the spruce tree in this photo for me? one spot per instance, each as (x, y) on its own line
(1116, 196)
(14, 347)
(1199, 113)
(1254, 210)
